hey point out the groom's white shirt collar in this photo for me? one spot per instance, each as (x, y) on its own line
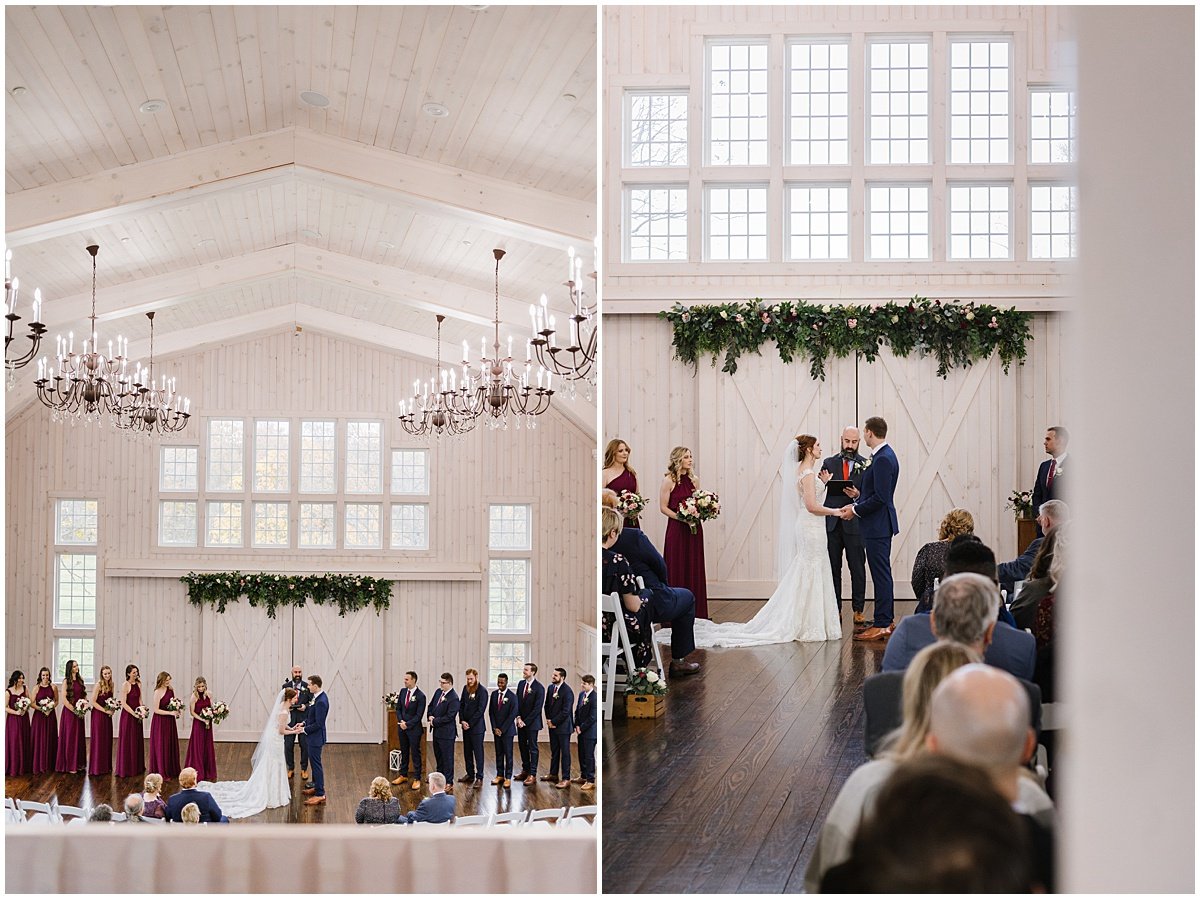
(880, 445)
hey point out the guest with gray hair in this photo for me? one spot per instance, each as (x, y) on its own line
(1051, 514)
(101, 813)
(437, 808)
(965, 607)
(133, 807)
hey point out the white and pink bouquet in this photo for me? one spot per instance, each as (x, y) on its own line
(630, 504)
(45, 706)
(175, 704)
(22, 704)
(81, 707)
(700, 506)
(217, 712)
(112, 704)
(142, 712)
(390, 699)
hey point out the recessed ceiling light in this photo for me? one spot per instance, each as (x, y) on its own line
(310, 233)
(312, 98)
(436, 110)
(126, 239)
(477, 8)
(570, 98)
(205, 241)
(19, 91)
(151, 106)
(387, 245)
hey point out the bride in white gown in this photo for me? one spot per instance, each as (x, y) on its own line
(268, 786)
(803, 606)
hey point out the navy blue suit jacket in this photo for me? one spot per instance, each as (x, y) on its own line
(1013, 650)
(644, 558)
(876, 507)
(529, 705)
(314, 721)
(504, 718)
(209, 810)
(558, 711)
(585, 715)
(833, 465)
(442, 714)
(412, 712)
(471, 711)
(436, 809)
(1018, 569)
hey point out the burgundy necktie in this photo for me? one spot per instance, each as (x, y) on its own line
(1050, 473)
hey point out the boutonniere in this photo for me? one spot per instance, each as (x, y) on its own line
(862, 466)
(1058, 471)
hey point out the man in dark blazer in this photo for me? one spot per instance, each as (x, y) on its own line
(531, 697)
(560, 701)
(314, 728)
(437, 808)
(502, 712)
(875, 509)
(1046, 484)
(299, 711)
(843, 533)
(472, 706)
(210, 812)
(585, 730)
(410, 722)
(443, 713)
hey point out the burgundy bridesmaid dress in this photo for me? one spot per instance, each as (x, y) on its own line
(18, 751)
(625, 481)
(100, 753)
(683, 551)
(201, 754)
(164, 741)
(72, 747)
(131, 737)
(44, 734)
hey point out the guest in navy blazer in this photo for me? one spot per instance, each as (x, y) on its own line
(559, 702)
(443, 713)
(585, 729)
(210, 812)
(437, 808)
(502, 712)
(410, 718)
(531, 696)
(472, 706)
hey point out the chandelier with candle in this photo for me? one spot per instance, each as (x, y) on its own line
(147, 407)
(432, 408)
(576, 360)
(89, 384)
(497, 389)
(36, 328)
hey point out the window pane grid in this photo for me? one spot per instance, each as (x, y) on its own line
(899, 103)
(507, 658)
(819, 110)
(317, 525)
(363, 527)
(75, 590)
(271, 524)
(737, 223)
(364, 457)
(979, 85)
(899, 222)
(410, 526)
(1052, 228)
(410, 471)
(225, 444)
(1051, 126)
(223, 524)
(318, 457)
(737, 104)
(508, 595)
(271, 451)
(979, 222)
(178, 467)
(82, 650)
(509, 527)
(657, 129)
(76, 521)
(177, 523)
(819, 222)
(657, 224)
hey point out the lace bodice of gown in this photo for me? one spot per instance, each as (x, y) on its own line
(268, 786)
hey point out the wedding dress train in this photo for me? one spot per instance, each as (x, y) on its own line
(268, 786)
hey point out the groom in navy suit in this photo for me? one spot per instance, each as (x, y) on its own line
(314, 729)
(875, 510)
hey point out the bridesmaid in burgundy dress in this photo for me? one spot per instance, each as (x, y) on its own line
(18, 753)
(44, 728)
(683, 551)
(100, 754)
(131, 758)
(164, 730)
(201, 754)
(619, 474)
(72, 747)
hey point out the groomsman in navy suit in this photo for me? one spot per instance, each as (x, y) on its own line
(531, 696)
(875, 509)
(1055, 442)
(472, 706)
(585, 728)
(410, 718)
(443, 712)
(559, 702)
(502, 712)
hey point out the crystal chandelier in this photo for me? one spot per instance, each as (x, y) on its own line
(497, 389)
(89, 384)
(147, 408)
(431, 409)
(579, 365)
(36, 328)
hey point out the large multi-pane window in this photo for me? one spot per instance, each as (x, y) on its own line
(318, 528)
(737, 222)
(82, 650)
(657, 128)
(656, 224)
(178, 468)
(272, 442)
(980, 126)
(979, 221)
(410, 526)
(318, 456)
(819, 221)
(509, 527)
(225, 454)
(819, 103)
(1052, 221)
(410, 471)
(75, 590)
(76, 521)
(737, 103)
(364, 529)
(1051, 125)
(898, 218)
(223, 524)
(271, 525)
(509, 585)
(898, 102)
(177, 523)
(364, 457)
(507, 658)
(76, 579)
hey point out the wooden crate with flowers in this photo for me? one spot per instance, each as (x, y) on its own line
(645, 694)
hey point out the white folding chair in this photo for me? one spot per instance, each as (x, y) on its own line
(74, 811)
(472, 821)
(509, 818)
(545, 816)
(26, 807)
(154, 820)
(617, 645)
(655, 628)
(582, 814)
(10, 803)
(118, 816)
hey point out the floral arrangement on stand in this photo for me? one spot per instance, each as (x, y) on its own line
(390, 699)
(1021, 504)
(349, 592)
(630, 504)
(81, 707)
(644, 682)
(703, 505)
(957, 334)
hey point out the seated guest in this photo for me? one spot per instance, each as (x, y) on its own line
(190, 814)
(102, 812)
(938, 827)
(209, 810)
(675, 606)
(1037, 585)
(1052, 513)
(437, 808)
(153, 805)
(380, 806)
(964, 610)
(930, 563)
(618, 577)
(968, 553)
(133, 808)
(1043, 619)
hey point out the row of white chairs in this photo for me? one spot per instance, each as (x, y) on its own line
(576, 814)
(18, 811)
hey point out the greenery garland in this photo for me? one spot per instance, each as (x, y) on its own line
(349, 592)
(958, 334)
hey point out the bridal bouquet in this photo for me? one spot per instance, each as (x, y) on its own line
(45, 706)
(630, 504)
(644, 682)
(81, 707)
(390, 699)
(703, 505)
(1021, 503)
(22, 704)
(112, 704)
(175, 704)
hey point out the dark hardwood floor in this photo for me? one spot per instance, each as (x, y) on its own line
(727, 791)
(349, 769)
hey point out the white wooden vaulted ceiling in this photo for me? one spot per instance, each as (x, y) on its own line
(238, 208)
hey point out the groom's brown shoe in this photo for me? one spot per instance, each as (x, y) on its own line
(399, 781)
(873, 634)
(416, 785)
(311, 791)
(496, 781)
(316, 800)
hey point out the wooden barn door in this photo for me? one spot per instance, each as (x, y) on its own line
(348, 654)
(246, 658)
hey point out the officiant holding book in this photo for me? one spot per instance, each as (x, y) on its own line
(843, 534)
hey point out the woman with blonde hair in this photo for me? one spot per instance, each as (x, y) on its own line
(683, 550)
(619, 474)
(930, 562)
(379, 806)
(190, 813)
(201, 751)
(153, 805)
